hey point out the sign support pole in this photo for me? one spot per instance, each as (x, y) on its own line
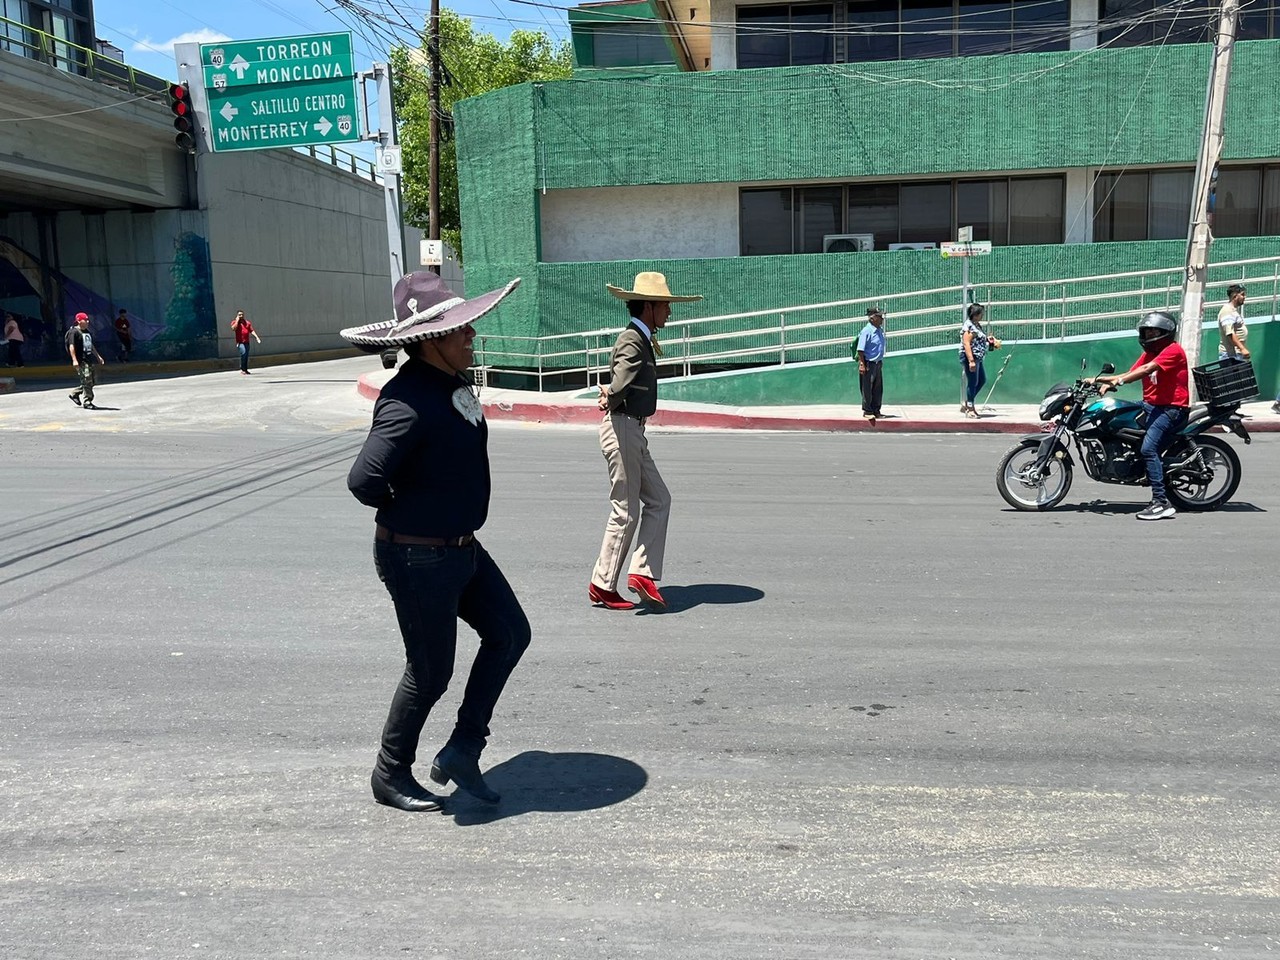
(386, 137)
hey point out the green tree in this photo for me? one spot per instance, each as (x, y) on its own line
(474, 63)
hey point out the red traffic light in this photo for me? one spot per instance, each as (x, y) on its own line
(180, 107)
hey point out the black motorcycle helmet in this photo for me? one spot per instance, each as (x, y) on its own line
(1155, 329)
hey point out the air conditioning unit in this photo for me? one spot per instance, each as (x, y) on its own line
(913, 246)
(848, 243)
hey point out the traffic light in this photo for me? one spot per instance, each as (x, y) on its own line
(184, 117)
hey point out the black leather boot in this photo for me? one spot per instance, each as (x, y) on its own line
(464, 770)
(402, 791)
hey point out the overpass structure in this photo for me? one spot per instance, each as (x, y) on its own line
(101, 211)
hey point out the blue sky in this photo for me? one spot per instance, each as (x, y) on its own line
(147, 29)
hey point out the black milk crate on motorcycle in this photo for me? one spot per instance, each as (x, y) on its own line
(1225, 382)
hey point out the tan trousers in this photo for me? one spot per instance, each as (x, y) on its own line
(633, 481)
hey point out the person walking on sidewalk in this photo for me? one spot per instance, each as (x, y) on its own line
(869, 351)
(425, 467)
(629, 400)
(243, 330)
(1232, 332)
(14, 338)
(82, 352)
(1162, 368)
(974, 344)
(124, 334)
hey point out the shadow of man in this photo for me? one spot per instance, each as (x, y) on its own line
(687, 597)
(553, 783)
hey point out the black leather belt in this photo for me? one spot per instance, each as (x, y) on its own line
(390, 536)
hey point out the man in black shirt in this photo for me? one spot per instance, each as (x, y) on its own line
(80, 348)
(425, 467)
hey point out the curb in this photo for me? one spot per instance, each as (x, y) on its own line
(565, 414)
(8, 385)
(581, 414)
(711, 420)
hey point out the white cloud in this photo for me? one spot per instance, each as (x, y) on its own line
(147, 45)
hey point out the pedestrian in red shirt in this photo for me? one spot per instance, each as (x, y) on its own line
(243, 330)
(1163, 370)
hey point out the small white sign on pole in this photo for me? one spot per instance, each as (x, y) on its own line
(389, 160)
(978, 249)
(432, 253)
(965, 235)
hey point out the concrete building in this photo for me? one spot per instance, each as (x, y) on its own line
(769, 155)
(101, 211)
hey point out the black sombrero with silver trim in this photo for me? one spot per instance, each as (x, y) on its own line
(425, 308)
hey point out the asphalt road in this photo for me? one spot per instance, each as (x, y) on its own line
(886, 716)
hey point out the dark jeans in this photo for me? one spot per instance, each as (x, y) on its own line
(1163, 424)
(432, 587)
(126, 347)
(244, 355)
(871, 384)
(973, 379)
(15, 353)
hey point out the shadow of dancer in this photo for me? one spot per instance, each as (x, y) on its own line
(552, 783)
(687, 597)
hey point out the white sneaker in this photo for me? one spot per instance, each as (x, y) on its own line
(1158, 510)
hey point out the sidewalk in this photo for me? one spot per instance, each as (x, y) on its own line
(569, 408)
(11, 378)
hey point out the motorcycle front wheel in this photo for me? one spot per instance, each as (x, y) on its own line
(1024, 490)
(1204, 488)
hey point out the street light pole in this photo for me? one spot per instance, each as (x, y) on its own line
(433, 155)
(1199, 233)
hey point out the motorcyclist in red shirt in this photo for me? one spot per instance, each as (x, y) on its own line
(1163, 370)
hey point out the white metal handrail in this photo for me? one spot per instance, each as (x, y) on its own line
(798, 334)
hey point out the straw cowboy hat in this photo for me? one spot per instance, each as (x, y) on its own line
(425, 308)
(649, 286)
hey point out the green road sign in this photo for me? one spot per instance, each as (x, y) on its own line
(276, 60)
(292, 115)
(280, 92)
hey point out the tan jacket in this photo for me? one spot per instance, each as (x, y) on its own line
(633, 380)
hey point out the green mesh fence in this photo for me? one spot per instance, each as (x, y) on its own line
(948, 116)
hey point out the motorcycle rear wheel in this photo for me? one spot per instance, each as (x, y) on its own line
(1020, 491)
(1196, 494)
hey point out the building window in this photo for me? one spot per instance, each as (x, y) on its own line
(630, 45)
(1007, 211)
(873, 30)
(764, 219)
(1237, 203)
(1134, 23)
(1156, 204)
(785, 36)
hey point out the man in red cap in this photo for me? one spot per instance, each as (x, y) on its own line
(82, 352)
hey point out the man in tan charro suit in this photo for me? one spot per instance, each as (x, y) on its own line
(628, 401)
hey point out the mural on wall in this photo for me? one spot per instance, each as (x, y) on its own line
(45, 300)
(189, 318)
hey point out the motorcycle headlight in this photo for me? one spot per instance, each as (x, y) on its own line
(1046, 407)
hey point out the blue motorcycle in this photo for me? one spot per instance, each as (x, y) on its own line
(1201, 471)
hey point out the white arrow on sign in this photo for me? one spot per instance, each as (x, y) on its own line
(239, 65)
(228, 112)
(324, 126)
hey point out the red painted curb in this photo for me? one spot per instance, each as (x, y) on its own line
(366, 389)
(706, 419)
(573, 413)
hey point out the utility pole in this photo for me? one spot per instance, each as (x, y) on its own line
(433, 150)
(1199, 234)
